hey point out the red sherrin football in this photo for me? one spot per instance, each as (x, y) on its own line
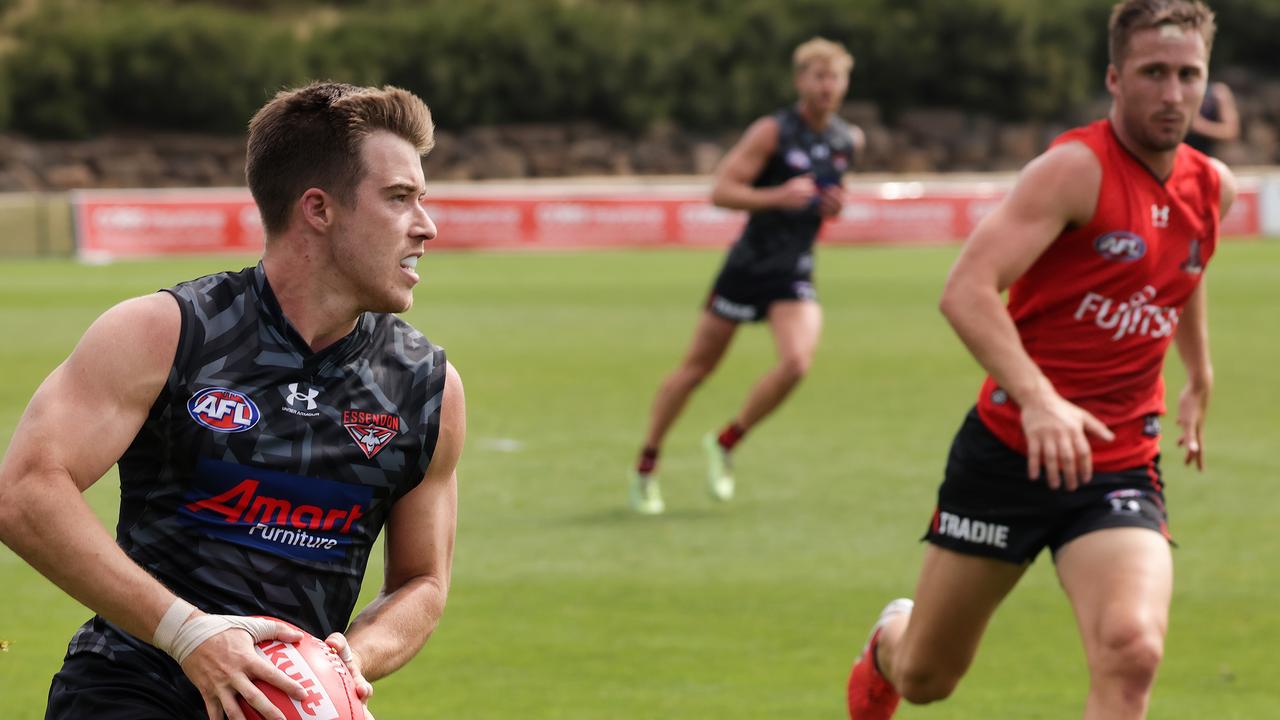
(331, 691)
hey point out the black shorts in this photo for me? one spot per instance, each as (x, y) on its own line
(114, 676)
(743, 297)
(988, 507)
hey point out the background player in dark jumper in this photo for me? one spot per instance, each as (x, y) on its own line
(268, 424)
(1102, 244)
(1217, 121)
(786, 171)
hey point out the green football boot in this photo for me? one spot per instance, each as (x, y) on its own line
(645, 497)
(719, 470)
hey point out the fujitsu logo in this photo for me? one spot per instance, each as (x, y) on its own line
(1136, 316)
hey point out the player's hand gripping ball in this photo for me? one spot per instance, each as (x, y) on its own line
(331, 690)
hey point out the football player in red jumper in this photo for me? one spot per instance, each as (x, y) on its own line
(1102, 245)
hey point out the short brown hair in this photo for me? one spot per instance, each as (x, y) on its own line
(311, 137)
(819, 48)
(1131, 16)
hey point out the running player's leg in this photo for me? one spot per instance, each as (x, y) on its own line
(1119, 581)
(924, 653)
(711, 338)
(796, 327)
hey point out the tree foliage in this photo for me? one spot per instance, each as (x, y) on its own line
(78, 67)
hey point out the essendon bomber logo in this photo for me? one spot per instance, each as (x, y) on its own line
(223, 410)
(371, 431)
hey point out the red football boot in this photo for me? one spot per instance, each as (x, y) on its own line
(870, 695)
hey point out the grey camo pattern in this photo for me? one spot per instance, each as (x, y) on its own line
(235, 336)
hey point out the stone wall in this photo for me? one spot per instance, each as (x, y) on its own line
(922, 140)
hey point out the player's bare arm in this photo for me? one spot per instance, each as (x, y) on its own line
(859, 140)
(1227, 187)
(744, 162)
(1227, 126)
(1057, 189)
(79, 422)
(1192, 341)
(419, 554)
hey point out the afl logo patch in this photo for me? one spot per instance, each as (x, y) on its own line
(223, 410)
(1121, 245)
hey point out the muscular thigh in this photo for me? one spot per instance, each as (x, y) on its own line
(1118, 576)
(711, 338)
(954, 601)
(796, 327)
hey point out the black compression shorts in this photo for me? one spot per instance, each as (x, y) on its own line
(987, 506)
(121, 679)
(741, 297)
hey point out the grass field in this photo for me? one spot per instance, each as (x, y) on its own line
(566, 606)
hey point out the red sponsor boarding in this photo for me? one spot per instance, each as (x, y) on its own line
(147, 223)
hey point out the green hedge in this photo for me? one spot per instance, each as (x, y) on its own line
(203, 69)
(79, 67)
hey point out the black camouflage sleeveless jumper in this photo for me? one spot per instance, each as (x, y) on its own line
(264, 472)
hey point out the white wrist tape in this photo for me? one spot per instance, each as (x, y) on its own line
(179, 634)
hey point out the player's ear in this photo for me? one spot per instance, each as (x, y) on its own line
(1113, 79)
(317, 209)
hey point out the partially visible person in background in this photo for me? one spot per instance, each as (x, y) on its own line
(786, 171)
(1218, 120)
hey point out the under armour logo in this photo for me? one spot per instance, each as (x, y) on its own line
(309, 397)
(1160, 216)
